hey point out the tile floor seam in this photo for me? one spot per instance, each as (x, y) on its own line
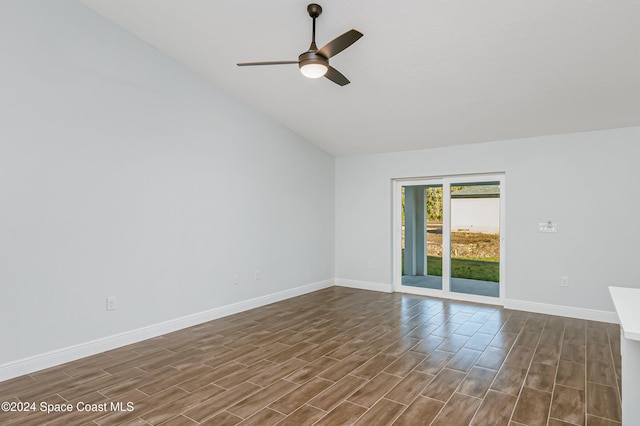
(554, 380)
(586, 406)
(553, 389)
(389, 390)
(475, 413)
(440, 410)
(522, 386)
(185, 415)
(418, 395)
(586, 381)
(564, 421)
(603, 418)
(618, 381)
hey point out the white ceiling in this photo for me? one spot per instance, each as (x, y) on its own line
(426, 73)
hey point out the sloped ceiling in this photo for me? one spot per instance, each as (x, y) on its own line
(426, 73)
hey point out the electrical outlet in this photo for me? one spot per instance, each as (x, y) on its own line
(370, 264)
(564, 281)
(111, 303)
(236, 279)
(257, 275)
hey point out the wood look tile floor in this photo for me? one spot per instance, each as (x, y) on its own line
(342, 356)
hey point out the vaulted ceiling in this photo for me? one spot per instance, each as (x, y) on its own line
(426, 73)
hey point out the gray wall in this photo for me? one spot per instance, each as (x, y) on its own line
(586, 182)
(123, 174)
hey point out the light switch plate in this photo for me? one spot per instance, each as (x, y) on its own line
(547, 227)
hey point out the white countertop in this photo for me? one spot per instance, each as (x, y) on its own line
(627, 303)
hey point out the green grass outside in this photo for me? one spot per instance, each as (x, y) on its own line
(481, 259)
(466, 268)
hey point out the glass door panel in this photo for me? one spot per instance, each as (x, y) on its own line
(422, 214)
(475, 238)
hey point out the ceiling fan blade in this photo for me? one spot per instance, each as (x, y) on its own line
(336, 76)
(340, 43)
(248, 64)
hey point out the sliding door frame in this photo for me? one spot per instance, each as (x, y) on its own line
(446, 182)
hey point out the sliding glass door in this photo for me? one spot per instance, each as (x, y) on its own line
(422, 236)
(448, 239)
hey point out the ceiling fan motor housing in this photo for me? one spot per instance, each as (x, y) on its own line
(308, 58)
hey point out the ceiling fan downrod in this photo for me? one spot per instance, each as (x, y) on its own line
(314, 11)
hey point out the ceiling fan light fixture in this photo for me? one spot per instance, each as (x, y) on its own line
(313, 70)
(313, 65)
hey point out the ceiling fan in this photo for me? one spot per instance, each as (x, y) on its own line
(314, 63)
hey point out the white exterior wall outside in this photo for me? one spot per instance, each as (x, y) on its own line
(475, 214)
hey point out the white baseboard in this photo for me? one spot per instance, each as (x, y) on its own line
(364, 285)
(72, 353)
(562, 311)
(519, 305)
